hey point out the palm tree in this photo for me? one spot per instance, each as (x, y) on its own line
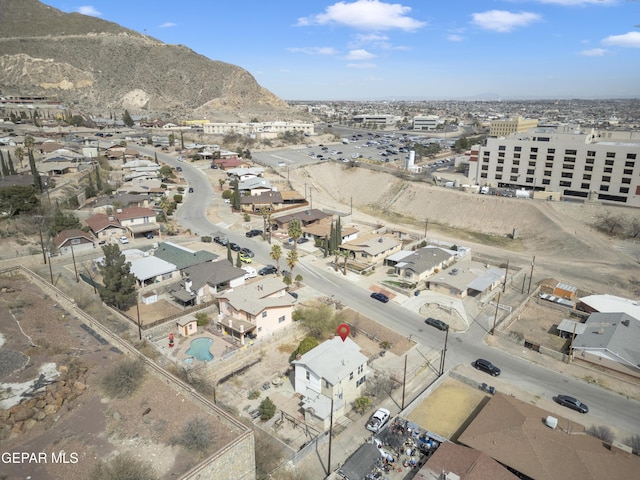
(276, 253)
(221, 181)
(266, 219)
(292, 260)
(346, 255)
(295, 231)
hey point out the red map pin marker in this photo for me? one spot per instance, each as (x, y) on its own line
(343, 331)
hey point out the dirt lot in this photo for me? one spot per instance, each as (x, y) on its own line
(90, 425)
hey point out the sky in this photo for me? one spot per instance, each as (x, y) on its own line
(410, 49)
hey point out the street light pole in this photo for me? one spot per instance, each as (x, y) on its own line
(139, 324)
(444, 351)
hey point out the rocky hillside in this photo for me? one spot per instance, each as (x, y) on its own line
(97, 65)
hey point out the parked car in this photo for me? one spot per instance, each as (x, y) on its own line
(149, 235)
(178, 168)
(253, 233)
(267, 270)
(302, 240)
(381, 297)
(572, 403)
(251, 272)
(221, 240)
(190, 189)
(378, 419)
(486, 366)
(245, 258)
(234, 246)
(247, 252)
(124, 240)
(293, 294)
(434, 322)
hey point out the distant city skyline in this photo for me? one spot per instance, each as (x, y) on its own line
(405, 49)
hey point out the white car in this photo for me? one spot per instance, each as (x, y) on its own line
(124, 240)
(378, 420)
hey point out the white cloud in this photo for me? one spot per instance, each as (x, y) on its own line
(314, 50)
(360, 54)
(360, 39)
(454, 37)
(167, 25)
(502, 20)
(89, 10)
(371, 15)
(578, 3)
(361, 66)
(594, 52)
(631, 40)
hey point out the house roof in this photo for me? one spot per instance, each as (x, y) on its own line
(470, 274)
(371, 244)
(121, 198)
(101, 221)
(424, 259)
(571, 326)
(182, 257)
(467, 463)
(615, 336)
(240, 171)
(255, 297)
(305, 216)
(267, 198)
(513, 433)
(333, 359)
(611, 303)
(253, 183)
(488, 278)
(212, 273)
(65, 235)
(149, 267)
(131, 213)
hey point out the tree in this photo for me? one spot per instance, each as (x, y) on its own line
(37, 181)
(221, 181)
(276, 254)
(321, 321)
(229, 256)
(295, 231)
(124, 466)
(634, 442)
(172, 140)
(119, 284)
(99, 185)
(19, 153)
(29, 142)
(16, 200)
(292, 260)
(238, 261)
(267, 409)
(196, 435)
(124, 378)
(62, 221)
(266, 222)
(307, 344)
(601, 432)
(166, 172)
(126, 118)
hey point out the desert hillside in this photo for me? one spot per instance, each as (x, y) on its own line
(560, 235)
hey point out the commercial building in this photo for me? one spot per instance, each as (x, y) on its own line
(426, 122)
(502, 128)
(586, 165)
(380, 121)
(258, 129)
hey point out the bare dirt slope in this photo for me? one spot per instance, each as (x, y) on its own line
(560, 235)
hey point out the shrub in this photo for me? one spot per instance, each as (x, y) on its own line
(227, 194)
(601, 432)
(247, 217)
(124, 378)
(254, 395)
(206, 239)
(202, 319)
(307, 343)
(267, 409)
(361, 404)
(634, 442)
(124, 467)
(177, 198)
(196, 435)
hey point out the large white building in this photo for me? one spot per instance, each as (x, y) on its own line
(426, 122)
(380, 121)
(259, 129)
(591, 164)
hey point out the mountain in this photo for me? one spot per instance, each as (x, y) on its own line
(94, 65)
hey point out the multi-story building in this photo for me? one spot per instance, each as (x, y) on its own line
(502, 128)
(596, 165)
(380, 121)
(426, 122)
(259, 129)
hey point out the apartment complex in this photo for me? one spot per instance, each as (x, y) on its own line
(588, 165)
(259, 129)
(502, 128)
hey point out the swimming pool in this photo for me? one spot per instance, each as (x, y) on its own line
(199, 348)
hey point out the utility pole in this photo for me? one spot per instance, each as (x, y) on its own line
(330, 435)
(404, 380)
(426, 226)
(531, 274)
(139, 324)
(444, 350)
(50, 269)
(495, 317)
(506, 272)
(44, 255)
(75, 268)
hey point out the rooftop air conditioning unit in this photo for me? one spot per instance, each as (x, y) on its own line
(551, 422)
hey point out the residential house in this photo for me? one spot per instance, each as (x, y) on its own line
(322, 229)
(242, 173)
(553, 287)
(467, 278)
(106, 228)
(258, 309)
(423, 263)
(270, 200)
(513, 433)
(204, 280)
(334, 372)
(49, 146)
(149, 270)
(107, 203)
(291, 198)
(182, 257)
(254, 186)
(187, 325)
(610, 341)
(372, 249)
(305, 217)
(73, 241)
(138, 221)
(462, 463)
(227, 163)
(609, 304)
(142, 185)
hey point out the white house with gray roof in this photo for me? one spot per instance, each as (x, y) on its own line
(372, 249)
(203, 280)
(423, 262)
(466, 278)
(336, 370)
(610, 340)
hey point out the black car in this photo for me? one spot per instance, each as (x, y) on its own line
(247, 252)
(486, 366)
(253, 233)
(190, 189)
(434, 322)
(267, 270)
(221, 241)
(572, 403)
(381, 297)
(149, 235)
(302, 240)
(235, 247)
